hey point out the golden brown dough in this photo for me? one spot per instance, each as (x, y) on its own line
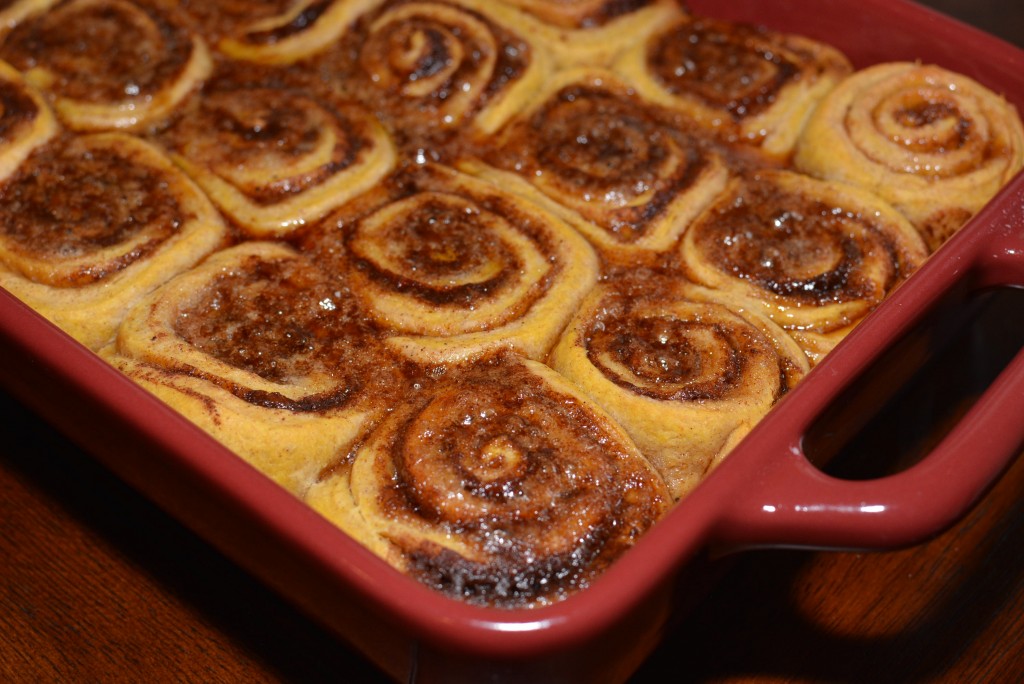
(439, 68)
(685, 371)
(936, 144)
(110, 64)
(453, 267)
(591, 152)
(813, 255)
(258, 348)
(747, 85)
(94, 222)
(297, 30)
(499, 483)
(276, 158)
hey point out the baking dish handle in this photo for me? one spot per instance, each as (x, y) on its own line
(793, 503)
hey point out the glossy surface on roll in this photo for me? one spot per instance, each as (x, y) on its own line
(92, 223)
(433, 68)
(499, 484)
(621, 175)
(290, 31)
(256, 347)
(936, 144)
(682, 369)
(275, 158)
(747, 85)
(452, 266)
(110, 63)
(815, 256)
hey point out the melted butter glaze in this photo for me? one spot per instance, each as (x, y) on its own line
(436, 245)
(423, 73)
(285, 320)
(731, 67)
(613, 160)
(796, 247)
(541, 497)
(235, 128)
(103, 52)
(111, 200)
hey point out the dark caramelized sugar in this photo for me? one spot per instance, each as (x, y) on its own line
(605, 149)
(70, 200)
(16, 108)
(281, 320)
(523, 474)
(660, 352)
(104, 52)
(299, 23)
(245, 127)
(733, 68)
(794, 246)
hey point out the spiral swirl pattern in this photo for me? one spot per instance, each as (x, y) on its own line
(454, 266)
(620, 175)
(26, 121)
(684, 371)
(937, 145)
(94, 222)
(437, 65)
(110, 63)
(274, 159)
(257, 346)
(499, 483)
(815, 256)
(748, 85)
(291, 32)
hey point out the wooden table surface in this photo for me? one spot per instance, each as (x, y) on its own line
(98, 585)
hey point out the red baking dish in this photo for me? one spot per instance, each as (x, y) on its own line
(768, 493)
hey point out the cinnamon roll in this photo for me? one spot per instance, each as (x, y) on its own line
(499, 483)
(453, 266)
(432, 68)
(682, 369)
(591, 152)
(815, 256)
(264, 352)
(91, 223)
(276, 158)
(26, 121)
(110, 64)
(936, 144)
(292, 31)
(748, 85)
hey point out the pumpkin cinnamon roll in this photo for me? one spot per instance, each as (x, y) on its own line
(265, 353)
(453, 267)
(748, 85)
(434, 67)
(275, 158)
(685, 371)
(26, 121)
(499, 483)
(110, 64)
(91, 223)
(594, 154)
(936, 144)
(815, 256)
(291, 31)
